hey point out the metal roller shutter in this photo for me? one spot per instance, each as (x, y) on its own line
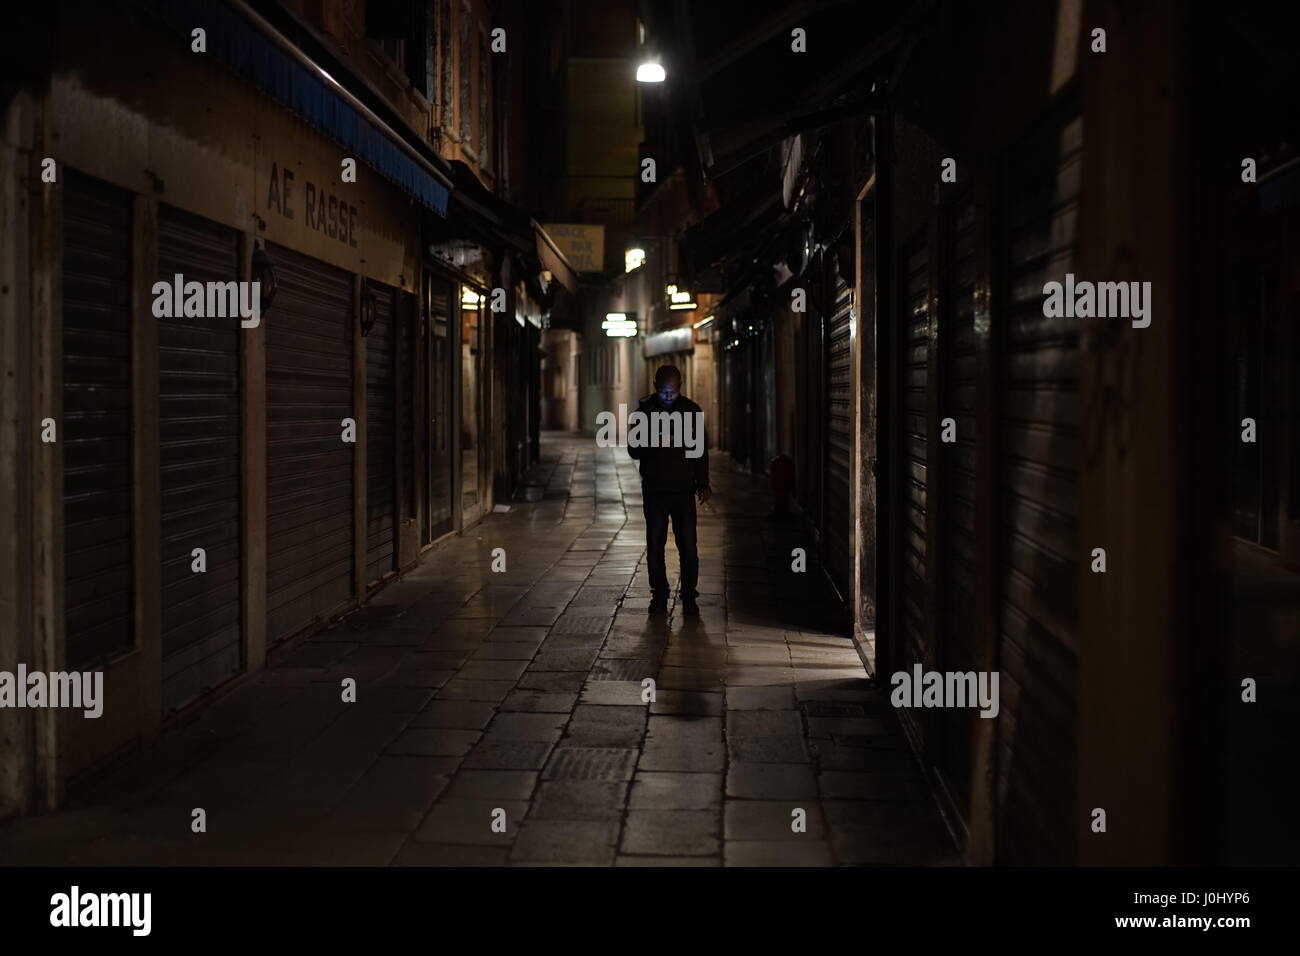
(441, 353)
(95, 431)
(199, 432)
(381, 436)
(308, 465)
(763, 401)
(808, 469)
(1037, 476)
(839, 441)
(406, 344)
(915, 434)
(959, 572)
(737, 383)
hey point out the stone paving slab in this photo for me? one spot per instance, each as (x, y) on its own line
(671, 833)
(773, 820)
(601, 800)
(473, 784)
(497, 754)
(528, 700)
(611, 692)
(787, 781)
(579, 842)
(761, 697)
(458, 820)
(675, 791)
(594, 725)
(505, 651)
(526, 727)
(455, 715)
(445, 854)
(783, 853)
(592, 763)
(764, 723)
(688, 703)
(553, 682)
(434, 742)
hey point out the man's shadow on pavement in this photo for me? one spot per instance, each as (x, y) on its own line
(655, 635)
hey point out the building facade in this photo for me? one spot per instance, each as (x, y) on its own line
(1075, 503)
(274, 341)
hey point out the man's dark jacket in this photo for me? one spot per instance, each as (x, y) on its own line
(668, 470)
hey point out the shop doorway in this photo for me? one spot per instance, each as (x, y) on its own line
(437, 485)
(472, 306)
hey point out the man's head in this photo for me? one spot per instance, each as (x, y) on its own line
(668, 384)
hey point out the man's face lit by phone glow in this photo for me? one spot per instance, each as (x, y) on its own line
(668, 390)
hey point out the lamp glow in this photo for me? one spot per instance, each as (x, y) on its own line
(633, 259)
(650, 73)
(680, 300)
(619, 325)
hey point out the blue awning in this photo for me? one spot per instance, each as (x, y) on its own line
(249, 52)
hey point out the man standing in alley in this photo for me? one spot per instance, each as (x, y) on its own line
(671, 481)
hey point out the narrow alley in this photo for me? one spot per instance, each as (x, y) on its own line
(521, 691)
(648, 433)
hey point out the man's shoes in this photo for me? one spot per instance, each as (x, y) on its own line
(690, 608)
(659, 605)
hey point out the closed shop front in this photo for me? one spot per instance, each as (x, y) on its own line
(438, 430)
(199, 440)
(381, 435)
(476, 325)
(96, 424)
(914, 377)
(810, 439)
(736, 387)
(836, 553)
(199, 502)
(309, 466)
(960, 572)
(1037, 366)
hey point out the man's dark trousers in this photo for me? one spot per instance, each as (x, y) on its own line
(659, 506)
